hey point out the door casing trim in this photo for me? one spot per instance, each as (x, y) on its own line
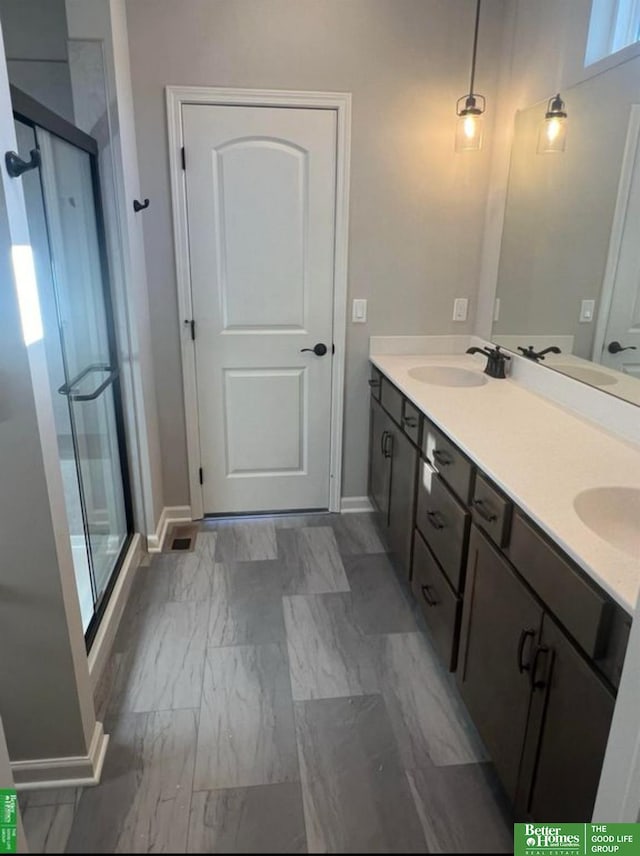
(340, 102)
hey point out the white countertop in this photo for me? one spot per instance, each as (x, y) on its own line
(539, 453)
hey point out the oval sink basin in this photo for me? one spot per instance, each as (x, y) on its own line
(447, 376)
(612, 513)
(586, 375)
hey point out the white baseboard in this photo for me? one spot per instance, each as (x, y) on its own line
(101, 647)
(355, 504)
(69, 772)
(170, 514)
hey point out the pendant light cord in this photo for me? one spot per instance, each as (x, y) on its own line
(475, 48)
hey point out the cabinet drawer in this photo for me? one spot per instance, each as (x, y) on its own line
(411, 421)
(453, 466)
(575, 602)
(491, 511)
(391, 400)
(441, 607)
(443, 522)
(375, 382)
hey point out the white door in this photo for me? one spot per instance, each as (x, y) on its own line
(261, 199)
(621, 346)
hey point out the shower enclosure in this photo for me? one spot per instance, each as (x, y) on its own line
(67, 236)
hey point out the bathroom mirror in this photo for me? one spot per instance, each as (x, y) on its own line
(569, 274)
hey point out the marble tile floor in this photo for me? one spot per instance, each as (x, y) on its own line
(276, 691)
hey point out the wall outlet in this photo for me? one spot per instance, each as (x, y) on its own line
(460, 306)
(587, 308)
(359, 311)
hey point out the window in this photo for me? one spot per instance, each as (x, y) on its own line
(614, 24)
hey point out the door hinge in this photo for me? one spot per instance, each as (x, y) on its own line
(333, 349)
(184, 160)
(192, 328)
(201, 476)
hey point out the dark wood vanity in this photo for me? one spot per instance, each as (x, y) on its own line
(536, 644)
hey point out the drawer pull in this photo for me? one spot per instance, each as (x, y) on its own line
(410, 421)
(481, 508)
(426, 594)
(387, 444)
(374, 383)
(443, 458)
(524, 667)
(436, 519)
(537, 683)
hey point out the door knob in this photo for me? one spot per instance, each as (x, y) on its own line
(616, 348)
(319, 350)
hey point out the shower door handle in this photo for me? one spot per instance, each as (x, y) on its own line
(68, 389)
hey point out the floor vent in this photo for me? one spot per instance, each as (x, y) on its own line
(181, 537)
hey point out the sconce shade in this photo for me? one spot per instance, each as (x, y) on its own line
(552, 136)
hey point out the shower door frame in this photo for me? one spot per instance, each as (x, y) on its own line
(31, 112)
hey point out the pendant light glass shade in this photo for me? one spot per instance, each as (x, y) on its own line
(470, 128)
(552, 136)
(469, 109)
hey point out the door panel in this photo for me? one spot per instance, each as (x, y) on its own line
(260, 187)
(267, 447)
(567, 736)
(500, 626)
(267, 178)
(380, 462)
(404, 467)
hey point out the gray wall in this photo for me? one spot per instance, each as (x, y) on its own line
(417, 209)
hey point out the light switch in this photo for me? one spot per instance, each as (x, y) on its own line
(496, 310)
(359, 313)
(460, 305)
(587, 308)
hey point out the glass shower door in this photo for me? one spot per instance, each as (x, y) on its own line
(88, 348)
(67, 238)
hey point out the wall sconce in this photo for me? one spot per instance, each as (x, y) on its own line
(552, 136)
(470, 108)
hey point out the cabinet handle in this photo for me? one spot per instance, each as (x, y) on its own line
(410, 421)
(387, 446)
(537, 683)
(443, 458)
(481, 508)
(426, 594)
(373, 383)
(524, 667)
(436, 520)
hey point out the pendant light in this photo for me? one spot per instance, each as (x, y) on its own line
(553, 130)
(470, 108)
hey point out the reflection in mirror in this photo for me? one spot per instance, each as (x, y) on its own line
(569, 275)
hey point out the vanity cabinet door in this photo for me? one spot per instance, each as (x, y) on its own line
(404, 468)
(500, 628)
(380, 450)
(571, 713)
